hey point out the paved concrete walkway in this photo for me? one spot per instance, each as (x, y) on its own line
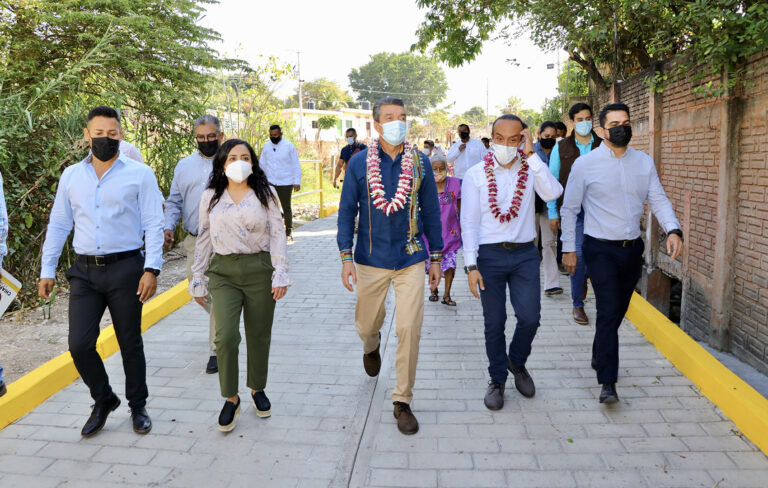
(333, 426)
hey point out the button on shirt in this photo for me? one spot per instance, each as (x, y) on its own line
(479, 226)
(121, 212)
(382, 241)
(281, 163)
(554, 167)
(190, 178)
(470, 156)
(612, 192)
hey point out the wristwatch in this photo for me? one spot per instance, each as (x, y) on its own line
(152, 270)
(677, 232)
(471, 267)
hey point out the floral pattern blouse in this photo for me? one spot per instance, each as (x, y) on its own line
(244, 228)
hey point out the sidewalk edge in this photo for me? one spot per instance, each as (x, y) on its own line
(739, 402)
(35, 387)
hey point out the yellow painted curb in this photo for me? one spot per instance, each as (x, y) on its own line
(327, 211)
(36, 386)
(738, 401)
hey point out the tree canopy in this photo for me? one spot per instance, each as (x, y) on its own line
(475, 117)
(325, 93)
(418, 80)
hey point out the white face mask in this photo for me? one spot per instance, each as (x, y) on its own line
(238, 171)
(394, 132)
(504, 154)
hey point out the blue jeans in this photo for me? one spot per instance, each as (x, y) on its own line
(517, 269)
(580, 276)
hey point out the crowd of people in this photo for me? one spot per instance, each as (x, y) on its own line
(401, 212)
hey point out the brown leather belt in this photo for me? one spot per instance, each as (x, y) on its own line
(511, 245)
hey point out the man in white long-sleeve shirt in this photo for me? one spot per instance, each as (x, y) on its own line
(611, 184)
(498, 228)
(280, 161)
(465, 153)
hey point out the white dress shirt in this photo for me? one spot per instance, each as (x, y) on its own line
(478, 224)
(130, 151)
(612, 192)
(281, 163)
(190, 177)
(470, 156)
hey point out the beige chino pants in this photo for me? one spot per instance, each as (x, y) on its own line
(189, 246)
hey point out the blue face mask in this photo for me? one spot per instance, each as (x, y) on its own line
(350, 140)
(394, 132)
(583, 128)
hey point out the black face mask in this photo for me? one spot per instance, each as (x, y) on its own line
(104, 148)
(547, 143)
(464, 135)
(208, 148)
(275, 140)
(620, 135)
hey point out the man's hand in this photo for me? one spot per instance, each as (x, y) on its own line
(296, 187)
(674, 245)
(147, 287)
(202, 301)
(335, 183)
(475, 280)
(347, 271)
(528, 148)
(169, 239)
(45, 287)
(463, 146)
(278, 292)
(554, 224)
(435, 273)
(569, 261)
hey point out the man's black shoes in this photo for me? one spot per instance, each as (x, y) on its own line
(608, 394)
(523, 380)
(142, 424)
(213, 365)
(3, 388)
(99, 416)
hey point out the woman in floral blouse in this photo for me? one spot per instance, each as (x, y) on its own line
(241, 256)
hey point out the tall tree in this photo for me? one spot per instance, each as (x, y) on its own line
(475, 117)
(418, 80)
(325, 93)
(512, 106)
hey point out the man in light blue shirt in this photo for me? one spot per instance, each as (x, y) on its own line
(191, 176)
(115, 207)
(611, 185)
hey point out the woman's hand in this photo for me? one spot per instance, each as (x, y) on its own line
(278, 292)
(201, 301)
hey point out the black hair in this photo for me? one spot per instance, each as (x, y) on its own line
(103, 111)
(525, 126)
(351, 129)
(462, 125)
(429, 143)
(561, 126)
(578, 107)
(546, 124)
(485, 139)
(275, 127)
(613, 107)
(508, 117)
(257, 180)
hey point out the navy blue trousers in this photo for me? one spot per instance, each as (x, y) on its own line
(518, 270)
(614, 272)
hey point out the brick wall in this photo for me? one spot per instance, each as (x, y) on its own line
(690, 157)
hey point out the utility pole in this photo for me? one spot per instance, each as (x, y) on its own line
(301, 97)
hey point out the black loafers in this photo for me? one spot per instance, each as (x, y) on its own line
(228, 415)
(213, 365)
(608, 394)
(142, 424)
(99, 416)
(262, 404)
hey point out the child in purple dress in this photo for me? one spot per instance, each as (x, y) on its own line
(449, 194)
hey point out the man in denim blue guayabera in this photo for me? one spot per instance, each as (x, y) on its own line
(392, 188)
(581, 141)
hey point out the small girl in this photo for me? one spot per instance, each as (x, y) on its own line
(449, 194)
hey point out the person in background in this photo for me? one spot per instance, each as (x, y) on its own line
(562, 131)
(241, 259)
(190, 177)
(486, 142)
(3, 253)
(610, 185)
(449, 195)
(543, 148)
(466, 153)
(116, 208)
(280, 161)
(581, 141)
(429, 147)
(353, 147)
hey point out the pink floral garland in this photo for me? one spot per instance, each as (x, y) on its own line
(493, 189)
(373, 163)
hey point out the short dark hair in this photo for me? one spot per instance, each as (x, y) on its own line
(561, 126)
(546, 124)
(613, 107)
(385, 101)
(485, 139)
(351, 129)
(429, 143)
(462, 125)
(275, 127)
(525, 126)
(507, 117)
(578, 107)
(103, 111)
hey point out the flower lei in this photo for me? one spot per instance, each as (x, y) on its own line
(373, 164)
(493, 189)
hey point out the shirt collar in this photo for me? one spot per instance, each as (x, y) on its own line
(591, 140)
(89, 160)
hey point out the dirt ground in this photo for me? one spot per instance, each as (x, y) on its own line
(28, 338)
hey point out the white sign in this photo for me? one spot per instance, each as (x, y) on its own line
(9, 288)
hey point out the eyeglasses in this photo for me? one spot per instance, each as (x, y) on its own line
(209, 137)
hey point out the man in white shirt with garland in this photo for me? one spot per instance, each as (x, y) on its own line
(280, 161)
(498, 229)
(465, 153)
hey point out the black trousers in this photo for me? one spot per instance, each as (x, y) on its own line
(92, 289)
(614, 272)
(284, 195)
